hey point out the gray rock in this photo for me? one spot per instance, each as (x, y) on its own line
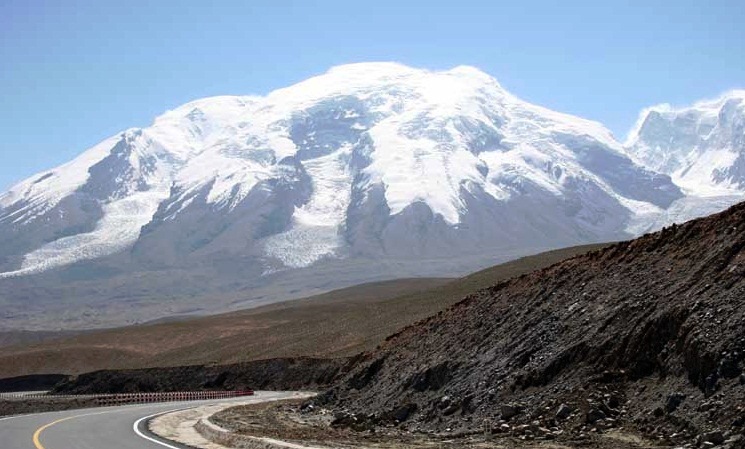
(508, 411)
(563, 412)
(715, 437)
(614, 400)
(403, 413)
(594, 415)
(450, 409)
(444, 402)
(673, 401)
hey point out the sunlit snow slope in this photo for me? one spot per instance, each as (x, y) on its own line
(375, 162)
(702, 146)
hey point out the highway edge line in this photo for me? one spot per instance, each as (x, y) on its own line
(37, 434)
(146, 419)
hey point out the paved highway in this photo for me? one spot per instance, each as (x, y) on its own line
(101, 428)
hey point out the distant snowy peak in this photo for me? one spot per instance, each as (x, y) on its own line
(376, 160)
(702, 146)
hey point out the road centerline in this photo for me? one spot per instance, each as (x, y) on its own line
(38, 432)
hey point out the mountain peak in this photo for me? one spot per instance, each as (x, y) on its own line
(372, 69)
(701, 146)
(376, 71)
(473, 72)
(718, 102)
(367, 162)
(703, 107)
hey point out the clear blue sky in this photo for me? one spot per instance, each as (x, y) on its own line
(74, 72)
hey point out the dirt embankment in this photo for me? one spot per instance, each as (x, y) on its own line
(274, 374)
(289, 422)
(647, 334)
(51, 404)
(34, 382)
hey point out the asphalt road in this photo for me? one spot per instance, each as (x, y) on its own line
(102, 427)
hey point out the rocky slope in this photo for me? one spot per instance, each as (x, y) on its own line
(646, 334)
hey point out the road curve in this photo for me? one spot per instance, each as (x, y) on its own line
(102, 427)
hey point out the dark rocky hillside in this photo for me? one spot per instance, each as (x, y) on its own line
(647, 334)
(274, 374)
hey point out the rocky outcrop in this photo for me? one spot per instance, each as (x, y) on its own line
(649, 333)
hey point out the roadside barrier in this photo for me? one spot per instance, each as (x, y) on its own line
(132, 398)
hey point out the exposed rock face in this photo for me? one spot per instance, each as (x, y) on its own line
(610, 334)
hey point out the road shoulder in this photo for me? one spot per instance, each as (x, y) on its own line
(183, 426)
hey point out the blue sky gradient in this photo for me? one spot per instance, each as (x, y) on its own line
(74, 72)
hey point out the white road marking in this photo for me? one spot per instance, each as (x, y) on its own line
(17, 416)
(136, 426)
(28, 415)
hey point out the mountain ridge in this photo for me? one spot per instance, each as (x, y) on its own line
(374, 164)
(700, 146)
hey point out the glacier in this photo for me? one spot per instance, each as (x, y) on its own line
(368, 171)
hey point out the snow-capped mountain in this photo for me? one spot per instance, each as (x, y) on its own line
(366, 172)
(702, 147)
